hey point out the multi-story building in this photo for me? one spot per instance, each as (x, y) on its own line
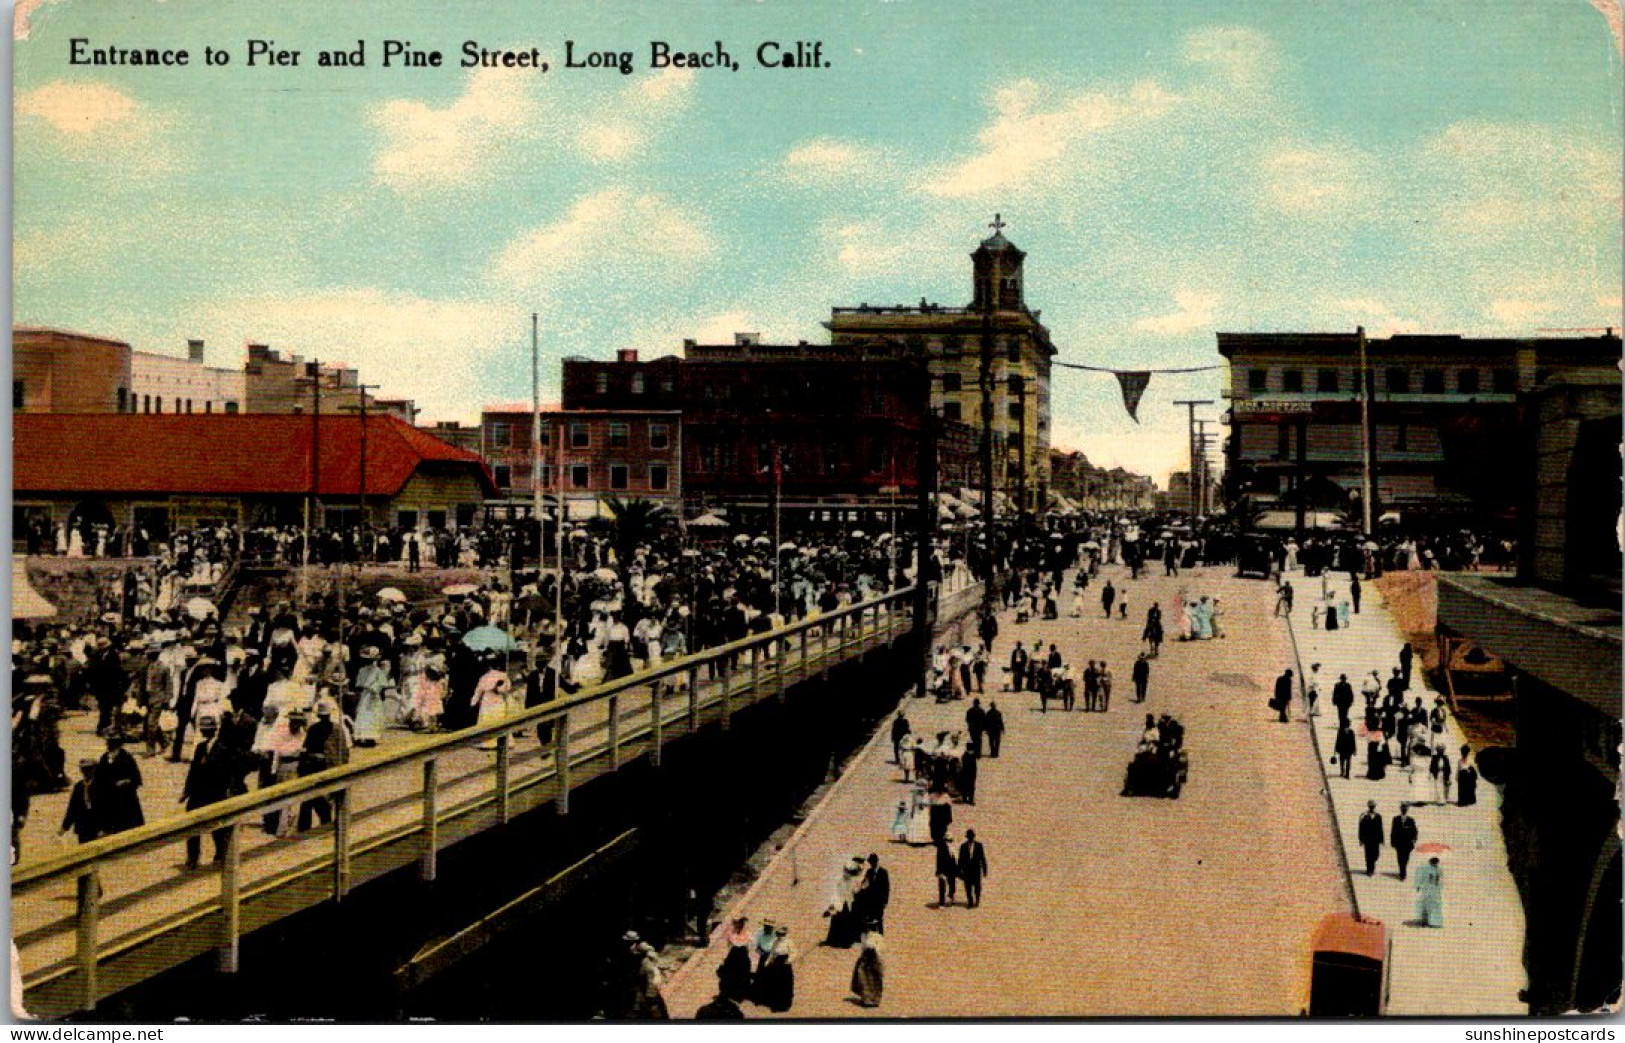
(172, 384)
(1099, 488)
(289, 384)
(815, 425)
(954, 338)
(593, 454)
(59, 371)
(1443, 416)
(1556, 626)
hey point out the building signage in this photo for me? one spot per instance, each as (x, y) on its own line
(1247, 406)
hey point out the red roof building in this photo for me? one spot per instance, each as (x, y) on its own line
(250, 468)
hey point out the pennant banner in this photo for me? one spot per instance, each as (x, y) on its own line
(1134, 385)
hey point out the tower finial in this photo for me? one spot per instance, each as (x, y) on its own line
(997, 224)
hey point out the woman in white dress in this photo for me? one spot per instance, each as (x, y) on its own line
(919, 816)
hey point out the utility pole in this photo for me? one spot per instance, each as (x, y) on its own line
(1201, 468)
(536, 444)
(1191, 404)
(1368, 443)
(314, 376)
(361, 409)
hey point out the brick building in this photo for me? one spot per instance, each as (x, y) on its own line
(952, 338)
(195, 469)
(59, 371)
(274, 383)
(844, 423)
(605, 454)
(1444, 415)
(172, 384)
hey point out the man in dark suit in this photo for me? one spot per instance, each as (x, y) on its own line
(82, 816)
(972, 868)
(994, 723)
(1344, 748)
(115, 789)
(208, 781)
(976, 723)
(1402, 837)
(542, 687)
(1018, 667)
(1343, 699)
(1405, 656)
(1370, 833)
(1283, 695)
(874, 896)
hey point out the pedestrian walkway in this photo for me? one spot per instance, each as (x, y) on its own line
(1096, 904)
(1473, 964)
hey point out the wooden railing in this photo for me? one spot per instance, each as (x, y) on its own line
(389, 812)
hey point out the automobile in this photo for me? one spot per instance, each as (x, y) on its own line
(1255, 556)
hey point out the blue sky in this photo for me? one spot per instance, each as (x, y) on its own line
(1170, 168)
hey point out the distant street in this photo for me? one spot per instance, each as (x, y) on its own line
(1096, 904)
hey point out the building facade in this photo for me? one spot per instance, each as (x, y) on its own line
(811, 424)
(1443, 416)
(274, 383)
(171, 384)
(59, 371)
(592, 455)
(953, 338)
(254, 470)
(1557, 627)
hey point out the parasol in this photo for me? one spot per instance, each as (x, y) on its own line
(607, 575)
(708, 521)
(200, 608)
(488, 639)
(391, 594)
(459, 590)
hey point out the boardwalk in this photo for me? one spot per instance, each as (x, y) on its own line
(1096, 904)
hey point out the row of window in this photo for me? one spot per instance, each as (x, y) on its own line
(620, 476)
(955, 382)
(1396, 380)
(637, 383)
(954, 347)
(127, 403)
(953, 410)
(617, 435)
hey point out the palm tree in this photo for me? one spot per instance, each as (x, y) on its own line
(635, 521)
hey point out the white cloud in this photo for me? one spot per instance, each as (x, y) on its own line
(1507, 179)
(1195, 311)
(823, 161)
(1029, 138)
(1519, 313)
(615, 236)
(412, 346)
(84, 123)
(427, 148)
(1244, 57)
(1317, 181)
(1375, 315)
(489, 127)
(80, 109)
(22, 17)
(627, 122)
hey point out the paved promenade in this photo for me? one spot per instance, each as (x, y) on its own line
(1473, 964)
(1096, 904)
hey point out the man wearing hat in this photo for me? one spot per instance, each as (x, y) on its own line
(115, 789)
(972, 868)
(82, 816)
(208, 781)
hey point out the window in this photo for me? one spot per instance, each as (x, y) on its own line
(146, 403)
(951, 382)
(504, 476)
(1433, 381)
(667, 385)
(637, 383)
(17, 394)
(1283, 441)
(1326, 380)
(1504, 381)
(659, 435)
(659, 477)
(157, 403)
(579, 475)
(1258, 379)
(1015, 410)
(1399, 381)
(579, 437)
(406, 519)
(601, 382)
(1292, 380)
(188, 405)
(1402, 437)
(1467, 381)
(952, 347)
(465, 515)
(618, 432)
(1013, 383)
(951, 411)
(834, 460)
(231, 407)
(708, 458)
(437, 519)
(17, 404)
(501, 434)
(208, 407)
(547, 476)
(618, 476)
(1012, 349)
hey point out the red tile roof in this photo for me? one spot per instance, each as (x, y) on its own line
(214, 454)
